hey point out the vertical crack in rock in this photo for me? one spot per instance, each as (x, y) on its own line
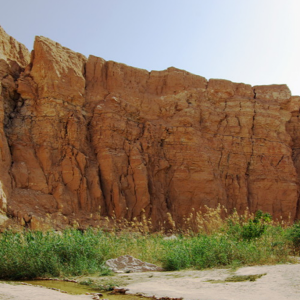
(293, 128)
(248, 170)
(280, 160)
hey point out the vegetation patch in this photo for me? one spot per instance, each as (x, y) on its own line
(238, 278)
(209, 241)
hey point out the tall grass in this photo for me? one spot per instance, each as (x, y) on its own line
(72, 252)
(217, 250)
(34, 254)
(210, 240)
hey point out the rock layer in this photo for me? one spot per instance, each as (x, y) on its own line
(84, 138)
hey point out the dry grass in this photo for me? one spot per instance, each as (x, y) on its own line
(203, 221)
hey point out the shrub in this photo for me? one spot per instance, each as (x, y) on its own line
(293, 235)
(253, 228)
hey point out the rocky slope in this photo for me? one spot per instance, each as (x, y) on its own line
(83, 138)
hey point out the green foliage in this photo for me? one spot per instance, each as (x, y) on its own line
(202, 252)
(72, 252)
(241, 278)
(253, 242)
(238, 278)
(34, 254)
(293, 234)
(29, 254)
(199, 252)
(256, 228)
(252, 228)
(260, 216)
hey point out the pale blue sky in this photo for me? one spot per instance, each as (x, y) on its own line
(250, 41)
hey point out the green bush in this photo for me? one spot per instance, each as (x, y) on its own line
(293, 235)
(252, 229)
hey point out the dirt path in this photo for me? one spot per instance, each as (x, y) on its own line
(280, 282)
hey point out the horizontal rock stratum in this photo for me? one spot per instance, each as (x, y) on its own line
(84, 138)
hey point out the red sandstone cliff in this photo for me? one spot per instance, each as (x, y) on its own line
(83, 138)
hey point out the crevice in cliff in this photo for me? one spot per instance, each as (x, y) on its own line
(105, 74)
(250, 161)
(168, 202)
(84, 73)
(225, 105)
(12, 102)
(102, 185)
(253, 124)
(135, 196)
(221, 156)
(297, 218)
(280, 160)
(292, 128)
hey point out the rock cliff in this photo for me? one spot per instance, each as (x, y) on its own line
(84, 138)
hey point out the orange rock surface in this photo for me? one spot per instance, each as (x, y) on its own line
(84, 138)
(13, 58)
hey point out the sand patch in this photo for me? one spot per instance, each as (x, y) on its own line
(280, 282)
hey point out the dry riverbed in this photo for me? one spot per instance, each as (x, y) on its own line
(279, 282)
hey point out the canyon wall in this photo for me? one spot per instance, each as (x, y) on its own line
(84, 138)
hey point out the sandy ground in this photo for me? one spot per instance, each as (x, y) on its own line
(24, 292)
(280, 282)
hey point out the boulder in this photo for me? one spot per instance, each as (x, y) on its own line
(129, 264)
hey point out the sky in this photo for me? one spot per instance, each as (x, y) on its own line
(251, 41)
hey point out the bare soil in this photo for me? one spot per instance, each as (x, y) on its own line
(279, 282)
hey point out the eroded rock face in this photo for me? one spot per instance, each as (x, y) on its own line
(86, 138)
(13, 58)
